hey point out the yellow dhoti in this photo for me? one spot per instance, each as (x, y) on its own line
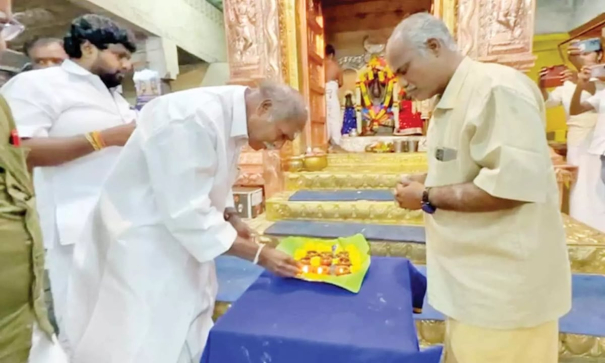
(470, 344)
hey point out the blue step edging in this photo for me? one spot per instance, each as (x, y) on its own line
(372, 232)
(342, 195)
(587, 316)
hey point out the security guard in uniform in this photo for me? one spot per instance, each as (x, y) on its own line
(25, 332)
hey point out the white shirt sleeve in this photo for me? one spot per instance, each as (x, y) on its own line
(595, 100)
(510, 147)
(182, 162)
(555, 98)
(32, 108)
(229, 202)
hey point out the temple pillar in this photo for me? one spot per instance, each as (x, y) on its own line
(497, 31)
(258, 50)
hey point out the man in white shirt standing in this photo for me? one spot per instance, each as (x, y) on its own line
(587, 197)
(74, 124)
(596, 149)
(143, 285)
(497, 259)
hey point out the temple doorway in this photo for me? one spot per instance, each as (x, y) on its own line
(358, 31)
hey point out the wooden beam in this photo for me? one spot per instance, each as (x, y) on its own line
(378, 6)
(372, 21)
(590, 29)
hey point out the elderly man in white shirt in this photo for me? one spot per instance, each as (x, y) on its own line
(596, 148)
(497, 259)
(143, 285)
(74, 123)
(586, 200)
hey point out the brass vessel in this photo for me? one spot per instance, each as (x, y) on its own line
(315, 162)
(294, 164)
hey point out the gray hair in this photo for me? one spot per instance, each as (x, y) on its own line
(420, 27)
(287, 104)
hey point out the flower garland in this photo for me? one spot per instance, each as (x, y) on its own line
(385, 76)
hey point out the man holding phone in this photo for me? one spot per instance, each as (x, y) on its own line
(580, 127)
(592, 77)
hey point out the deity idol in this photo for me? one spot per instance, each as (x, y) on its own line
(376, 84)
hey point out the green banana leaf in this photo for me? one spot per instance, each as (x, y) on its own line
(351, 282)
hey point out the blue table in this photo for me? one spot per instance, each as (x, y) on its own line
(292, 321)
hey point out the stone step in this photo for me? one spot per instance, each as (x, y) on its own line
(586, 246)
(342, 179)
(582, 330)
(340, 207)
(358, 171)
(388, 162)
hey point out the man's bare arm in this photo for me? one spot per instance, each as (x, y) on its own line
(243, 248)
(340, 80)
(577, 106)
(469, 198)
(53, 151)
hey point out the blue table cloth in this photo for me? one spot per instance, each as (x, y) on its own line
(293, 321)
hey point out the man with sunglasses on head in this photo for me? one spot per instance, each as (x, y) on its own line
(74, 122)
(25, 332)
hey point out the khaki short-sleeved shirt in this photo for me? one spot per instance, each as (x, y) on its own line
(507, 269)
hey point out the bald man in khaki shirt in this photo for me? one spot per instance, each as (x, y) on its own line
(496, 254)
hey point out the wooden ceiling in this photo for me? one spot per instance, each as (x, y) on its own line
(358, 15)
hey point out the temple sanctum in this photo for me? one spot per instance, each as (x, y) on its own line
(310, 191)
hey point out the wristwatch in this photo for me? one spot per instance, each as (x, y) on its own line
(427, 207)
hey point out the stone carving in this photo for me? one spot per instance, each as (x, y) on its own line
(283, 40)
(355, 63)
(497, 31)
(271, 30)
(242, 15)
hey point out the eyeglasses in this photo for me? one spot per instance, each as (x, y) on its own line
(11, 29)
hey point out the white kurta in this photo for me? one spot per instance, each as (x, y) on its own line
(66, 101)
(587, 197)
(143, 283)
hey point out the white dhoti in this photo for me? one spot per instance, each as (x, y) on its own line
(45, 349)
(59, 262)
(333, 115)
(587, 196)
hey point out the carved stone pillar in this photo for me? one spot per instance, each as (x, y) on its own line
(254, 50)
(499, 31)
(252, 31)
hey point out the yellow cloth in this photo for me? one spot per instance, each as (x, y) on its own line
(505, 269)
(469, 344)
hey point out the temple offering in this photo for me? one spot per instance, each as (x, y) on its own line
(342, 262)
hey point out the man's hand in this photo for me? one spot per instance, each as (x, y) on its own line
(569, 75)
(278, 262)
(119, 135)
(408, 194)
(573, 50)
(408, 178)
(584, 76)
(242, 228)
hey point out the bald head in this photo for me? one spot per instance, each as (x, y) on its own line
(276, 113)
(423, 54)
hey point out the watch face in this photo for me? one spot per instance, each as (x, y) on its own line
(427, 208)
